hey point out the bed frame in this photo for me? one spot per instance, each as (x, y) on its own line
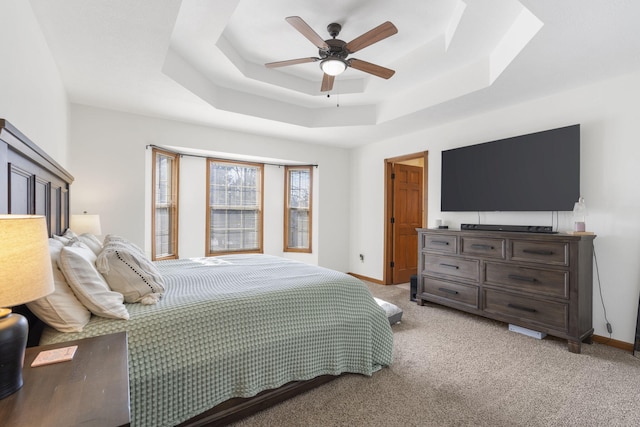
(35, 184)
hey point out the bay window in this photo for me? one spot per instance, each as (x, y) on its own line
(234, 207)
(297, 216)
(164, 217)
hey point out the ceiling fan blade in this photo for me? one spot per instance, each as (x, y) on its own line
(327, 83)
(304, 29)
(380, 32)
(290, 62)
(370, 68)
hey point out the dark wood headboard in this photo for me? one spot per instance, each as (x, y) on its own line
(34, 183)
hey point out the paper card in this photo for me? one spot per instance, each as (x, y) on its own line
(56, 355)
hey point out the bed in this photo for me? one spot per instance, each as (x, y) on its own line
(232, 334)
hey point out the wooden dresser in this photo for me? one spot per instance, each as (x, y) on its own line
(538, 281)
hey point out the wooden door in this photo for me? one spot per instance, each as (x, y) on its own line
(407, 216)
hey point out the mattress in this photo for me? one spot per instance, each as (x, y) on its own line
(232, 326)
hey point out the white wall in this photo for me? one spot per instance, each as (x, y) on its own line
(32, 95)
(610, 173)
(112, 170)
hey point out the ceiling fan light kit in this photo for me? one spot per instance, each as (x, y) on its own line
(333, 66)
(333, 52)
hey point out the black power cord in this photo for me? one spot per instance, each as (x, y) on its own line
(604, 309)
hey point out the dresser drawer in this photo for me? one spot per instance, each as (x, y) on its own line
(530, 310)
(439, 243)
(555, 253)
(545, 282)
(483, 247)
(458, 292)
(453, 267)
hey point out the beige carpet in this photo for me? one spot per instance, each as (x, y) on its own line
(455, 369)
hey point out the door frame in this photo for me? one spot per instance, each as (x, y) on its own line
(387, 273)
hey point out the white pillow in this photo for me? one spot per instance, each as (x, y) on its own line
(61, 309)
(67, 237)
(112, 238)
(78, 266)
(92, 242)
(130, 272)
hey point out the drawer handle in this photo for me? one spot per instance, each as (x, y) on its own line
(440, 242)
(522, 278)
(449, 266)
(537, 251)
(478, 246)
(448, 291)
(520, 307)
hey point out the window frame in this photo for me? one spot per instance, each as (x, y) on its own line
(173, 206)
(260, 187)
(287, 209)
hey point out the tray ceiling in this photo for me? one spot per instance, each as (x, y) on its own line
(202, 61)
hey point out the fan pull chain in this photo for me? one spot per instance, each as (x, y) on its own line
(337, 98)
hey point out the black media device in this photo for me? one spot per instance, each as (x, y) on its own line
(535, 172)
(517, 228)
(413, 283)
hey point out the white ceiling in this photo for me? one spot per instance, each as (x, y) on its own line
(202, 61)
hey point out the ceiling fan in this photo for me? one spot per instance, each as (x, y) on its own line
(333, 52)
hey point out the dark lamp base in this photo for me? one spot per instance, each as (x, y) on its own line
(14, 329)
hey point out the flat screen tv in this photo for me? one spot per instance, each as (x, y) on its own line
(535, 172)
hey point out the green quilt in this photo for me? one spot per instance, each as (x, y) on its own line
(232, 326)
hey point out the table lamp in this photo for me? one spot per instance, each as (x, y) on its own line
(25, 275)
(86, 223)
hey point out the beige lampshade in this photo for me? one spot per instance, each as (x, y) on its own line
(25, 263)
(85, 223)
